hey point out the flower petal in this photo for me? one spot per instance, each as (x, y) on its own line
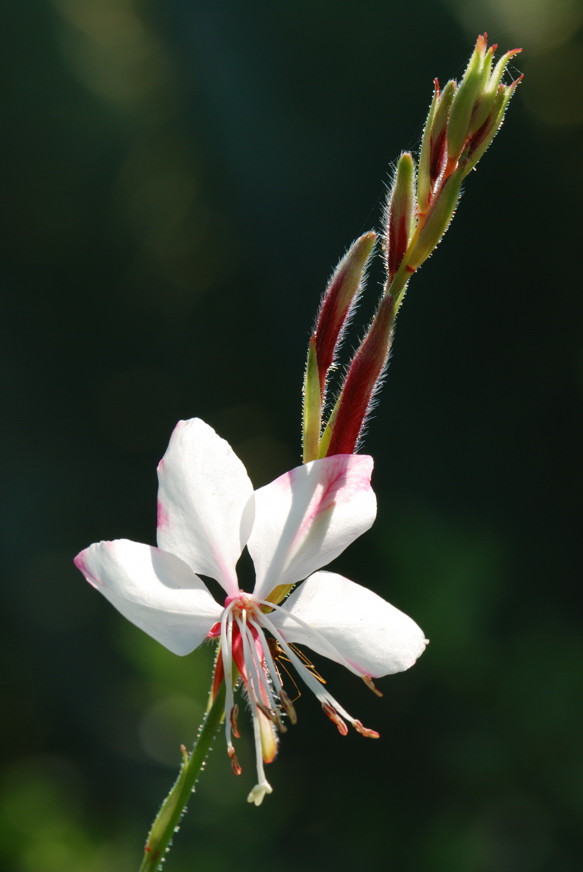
(154, 590)
(205, 510)
(348, 622)
(307, 517)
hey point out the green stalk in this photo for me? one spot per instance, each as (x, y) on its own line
(168, 818)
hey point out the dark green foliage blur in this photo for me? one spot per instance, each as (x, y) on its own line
(178, 180)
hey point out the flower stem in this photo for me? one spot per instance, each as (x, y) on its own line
(168, 818)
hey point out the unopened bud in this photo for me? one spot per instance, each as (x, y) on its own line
(485, 101)
(437, 221)
(482, 138)
(433, 154)
(462, 107)
(337, 305)
(401, 209)
(339, 299)
(363, 375)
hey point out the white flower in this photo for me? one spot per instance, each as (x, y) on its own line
(207, 513)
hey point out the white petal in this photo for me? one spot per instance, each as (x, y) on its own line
(205, 507)
(308, 516)
(349, 620)
(154, 590)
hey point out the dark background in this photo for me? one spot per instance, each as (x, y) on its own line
(179, 178)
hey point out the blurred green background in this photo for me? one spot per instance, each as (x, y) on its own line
(179, 178)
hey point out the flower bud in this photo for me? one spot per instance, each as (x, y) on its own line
(484, 136)
(434, 145)
(424, 184)
(462, 107)
(339, 299)
(485, 101)
(363, 376)
(436, 222)
(400, 214)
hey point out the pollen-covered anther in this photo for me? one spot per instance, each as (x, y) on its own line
(335, 718)
(371, 685)
(233, 719)
(288, 706)
(234, 762)
(364, 731)
(273, 716)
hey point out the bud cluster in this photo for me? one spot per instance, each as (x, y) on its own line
(463, 119)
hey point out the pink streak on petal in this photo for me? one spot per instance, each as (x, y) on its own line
(162, 515)
(342, 482)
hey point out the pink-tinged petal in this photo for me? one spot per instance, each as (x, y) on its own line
(350, 624)
(154, 590)
(205, 506)
(308, 516)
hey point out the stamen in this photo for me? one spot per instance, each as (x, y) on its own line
(234, 762)
(371, 685)
(233, 718)
(260, 686)
(334, 653)
(288, 706)
(273, 716)
(332, 708)
(227, 651)
(263, 786)
(364, 731)
(335, 718)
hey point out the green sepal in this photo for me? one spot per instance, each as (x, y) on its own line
(497, 111)
(437, 221)
(328, 431)
(423, 172)
(464, 101)
(485, 102)
(401, 213)
(430, 140)
(312, 405)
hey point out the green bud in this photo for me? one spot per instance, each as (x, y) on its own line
(484, 136)
(486, 99)
(436, 222)
(424, 173)
(464, 101)
(339, 300)
(433, 146)
(400, 214)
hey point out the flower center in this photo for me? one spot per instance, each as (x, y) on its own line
(241, 602)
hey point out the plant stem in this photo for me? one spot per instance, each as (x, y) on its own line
(168, 818)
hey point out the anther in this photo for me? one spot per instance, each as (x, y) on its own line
(234, 762)
(371, 685)
(335, 718)
(233, 718)
(272, 716)
(364, 731)
(288, 706)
